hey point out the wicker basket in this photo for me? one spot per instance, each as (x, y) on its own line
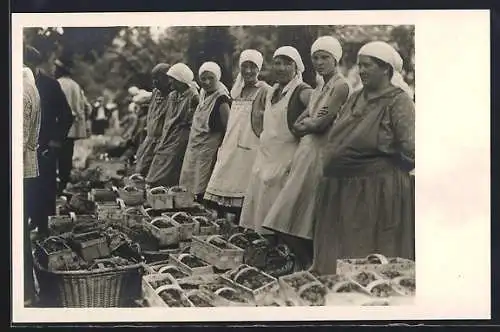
(167, 236)
(186, 230)
(61, 224)
(106, 287)
(160, 199)
(131, 195)
(182, 197)
(56, 259)
(80, 205)
(222, 259)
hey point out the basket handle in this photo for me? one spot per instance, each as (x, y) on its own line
(165, 287)
(136, 176)
(249, 268)
(178, 189)
(121, 203)
(308, 285)
(158, 190)
(54, 238)
(382, 258)
(378, 282)
(220, 290)
(211, 237)
(180, 213)
(167, 267)
(235, 235)
(152, 222)
(133, 208)
(197, 218)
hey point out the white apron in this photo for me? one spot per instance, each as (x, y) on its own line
(270, 170)
(237, 153)
(201, 152)
(293, 211)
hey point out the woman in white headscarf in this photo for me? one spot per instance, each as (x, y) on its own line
(180, 106)
(229, 179)
(207, 131)
(279, 140)
(292, 214)
(365, 197)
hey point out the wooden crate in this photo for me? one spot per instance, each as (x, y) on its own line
(260, 296)
(294, 295)
(167, 236)
(91, 245)
(203, 229)
(223, 259)
(159, 198)
(186, 229)
(207, 269)
(182, 197)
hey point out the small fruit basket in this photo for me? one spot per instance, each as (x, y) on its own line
(79, 204)
(151, 282)
(303, 289)
(364, 278)
(131, 195)
(375, 263)
(187, 225)
(381, 288)
(159, 198)
(166, 230)
(91, 245)
(329, 281)
(404, 285)
(205, 226)
(227, 228)
(102, 195)
(136, 180)
(134, 215)
(173, 296)
(61, 224)
(54, 253)
(200, 282)
(202, 299)
(142, 235)
(182, 197)
(216, 251)
(191, 264)
(110, 211)
(231, 297)
(259, 286)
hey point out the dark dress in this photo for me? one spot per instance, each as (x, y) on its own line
(365, 202)
(56, 121)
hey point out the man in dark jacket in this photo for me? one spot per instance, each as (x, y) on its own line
(56, 121)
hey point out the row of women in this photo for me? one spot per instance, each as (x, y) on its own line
(325, 171)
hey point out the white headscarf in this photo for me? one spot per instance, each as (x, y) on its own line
(328, 44)
(389, 55)
(184, 74)
(253, 56)
(133, 90)
(213, 68)
(293, 54)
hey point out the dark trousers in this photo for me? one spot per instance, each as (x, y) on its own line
(46, 191)
(29, 211)
(65, 162)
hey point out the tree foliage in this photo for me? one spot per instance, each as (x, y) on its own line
(108, 60)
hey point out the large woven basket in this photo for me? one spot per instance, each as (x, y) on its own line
(103, 288)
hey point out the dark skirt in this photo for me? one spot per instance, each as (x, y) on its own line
(358, 216)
